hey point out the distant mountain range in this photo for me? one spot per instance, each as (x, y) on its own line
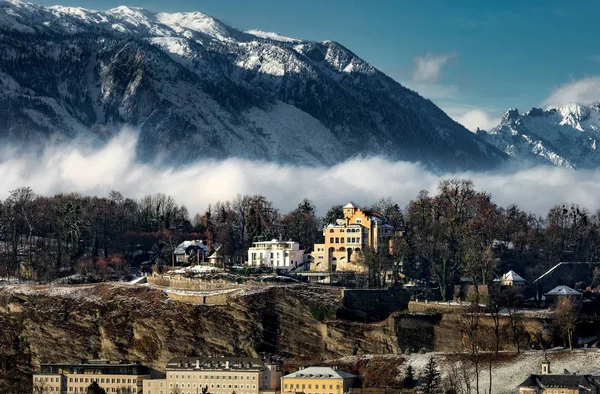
(196, 88)
(566, 136)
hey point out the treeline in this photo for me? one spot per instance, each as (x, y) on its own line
(44, 238)
(455, 232)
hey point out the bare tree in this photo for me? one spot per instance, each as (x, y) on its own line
(565, 319)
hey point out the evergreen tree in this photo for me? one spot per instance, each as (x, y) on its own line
(430, 380)
(409, 378)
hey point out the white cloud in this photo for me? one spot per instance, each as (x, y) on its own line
(429, 67)
(78, 167)
(472, 118)
(582, 91)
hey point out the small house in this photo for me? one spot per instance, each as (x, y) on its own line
(561, 294)
(511, 278)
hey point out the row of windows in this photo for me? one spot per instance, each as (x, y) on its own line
(235, 377)
(87, 380)
(350, 230)
(212, 386)
(189, 392)
(349, 240)
(285, 386)
(83, 389)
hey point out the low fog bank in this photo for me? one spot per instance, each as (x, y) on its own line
(78, 167)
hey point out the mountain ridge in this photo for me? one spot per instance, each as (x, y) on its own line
(565, 136)
(196, 87)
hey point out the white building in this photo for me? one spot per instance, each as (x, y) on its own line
(284, 255)
(189, 375)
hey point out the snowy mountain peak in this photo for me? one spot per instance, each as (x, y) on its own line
(510, 115)
(566, 135)
(272, 36)
(196, 22)
(226, 93)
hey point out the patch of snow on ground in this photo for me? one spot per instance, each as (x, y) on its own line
(201, 293)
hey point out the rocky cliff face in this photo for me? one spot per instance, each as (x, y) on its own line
(197, 88)
(65, 324)
(112, 322)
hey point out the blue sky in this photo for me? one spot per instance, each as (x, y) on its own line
(475, 59)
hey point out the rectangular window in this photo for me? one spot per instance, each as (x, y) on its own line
(330, 240)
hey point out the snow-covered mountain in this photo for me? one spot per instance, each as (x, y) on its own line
(566, 136)
(197, 88)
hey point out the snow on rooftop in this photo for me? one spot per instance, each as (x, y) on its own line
(181, 248)
(512, 276)
(350, 205)
(320, 373)
(562, 290)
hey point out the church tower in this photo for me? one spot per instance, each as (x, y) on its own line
(545, 366)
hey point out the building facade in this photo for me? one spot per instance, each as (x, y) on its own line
(190, 251)
(189, 375)
(548, 383)
(317, 380)
(112, 376)
(284, 255)
(347, 237)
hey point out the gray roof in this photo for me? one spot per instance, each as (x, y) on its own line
(559, 381)
(215, 362)
(182, 247)
(512, 275)
(320, 373)
(562, 290)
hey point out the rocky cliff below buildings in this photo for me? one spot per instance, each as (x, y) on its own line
(297, 322)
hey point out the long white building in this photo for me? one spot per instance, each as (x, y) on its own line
(189, 375)
(284, 255)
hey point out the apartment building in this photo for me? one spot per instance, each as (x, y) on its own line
(317, 380)
(113, 376)
(189, 375)
(347, 237)
(283, 255)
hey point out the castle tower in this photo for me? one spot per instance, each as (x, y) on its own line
(349, 210)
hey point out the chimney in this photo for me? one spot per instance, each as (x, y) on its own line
(227, 364)
(197, 364)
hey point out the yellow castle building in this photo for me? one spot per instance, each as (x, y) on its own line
(347, 237)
